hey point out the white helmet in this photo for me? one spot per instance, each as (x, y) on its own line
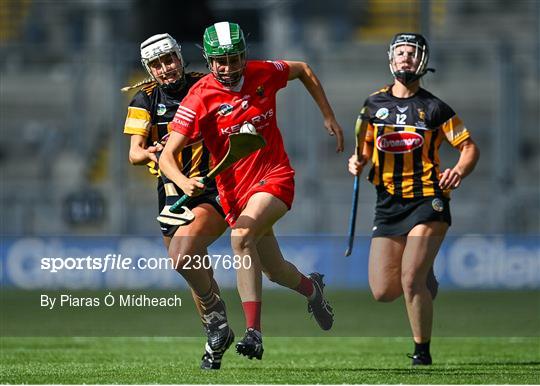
(157, 46)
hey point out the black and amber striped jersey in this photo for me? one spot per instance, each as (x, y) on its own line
(149, 114)
(406, 134)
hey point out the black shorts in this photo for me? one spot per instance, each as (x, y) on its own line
(210, 196)
(396, 216)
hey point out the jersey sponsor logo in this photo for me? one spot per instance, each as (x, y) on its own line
(181, 122)
(224, 109)
(256, 121)
(161, 109)
(399, 142)
(382, 113)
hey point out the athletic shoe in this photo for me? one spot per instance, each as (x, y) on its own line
(211, 360)
(219, 337)
(319, 307)
(432, 283)
(420, 359)
(251, 344)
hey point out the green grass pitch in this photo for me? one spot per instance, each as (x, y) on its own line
(479, 338)
(286, 360)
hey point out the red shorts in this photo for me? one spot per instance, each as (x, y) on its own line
(280, 186)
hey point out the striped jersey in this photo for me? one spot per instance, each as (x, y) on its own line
(150, 113)
(406, 134)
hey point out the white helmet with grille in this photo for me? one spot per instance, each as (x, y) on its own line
(158, 46)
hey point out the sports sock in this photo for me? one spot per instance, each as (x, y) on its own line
(421, 347)
(209, 301)
(252, 313)
(306, 287)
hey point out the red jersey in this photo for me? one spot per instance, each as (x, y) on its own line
(213, 111)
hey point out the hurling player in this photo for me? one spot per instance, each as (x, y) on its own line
(258, 190)
(148, 124)
(405, 126)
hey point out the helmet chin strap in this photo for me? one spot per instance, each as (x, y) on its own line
(407, 77)
(231, 83)
(174, 86)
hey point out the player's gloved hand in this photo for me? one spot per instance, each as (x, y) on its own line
(192, 187)
(333, 128)
(356, 166)
(449, 179)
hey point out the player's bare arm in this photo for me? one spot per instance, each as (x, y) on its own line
(168, 165)
(451, 178)
(139, 154)
(302, 71)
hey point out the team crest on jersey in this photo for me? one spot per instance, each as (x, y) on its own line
(260, 91)
(224, 109)
(399, 142)
(161, 109)
(382, 113)
(421, 115)
(437, 204)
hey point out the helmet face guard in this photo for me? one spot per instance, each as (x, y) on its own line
(225, 52)
(234, 64)
(420, 56)
(163, 52)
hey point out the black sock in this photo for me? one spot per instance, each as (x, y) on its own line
(421, 348)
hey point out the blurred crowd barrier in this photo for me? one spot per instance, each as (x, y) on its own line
(464, 262)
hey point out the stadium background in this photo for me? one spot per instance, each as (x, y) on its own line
(67, 190)
(64, 158)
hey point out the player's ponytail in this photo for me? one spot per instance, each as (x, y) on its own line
(141, 83)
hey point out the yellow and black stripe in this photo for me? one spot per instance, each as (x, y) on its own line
(411, 172)
(150, 113)
(138, 121)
